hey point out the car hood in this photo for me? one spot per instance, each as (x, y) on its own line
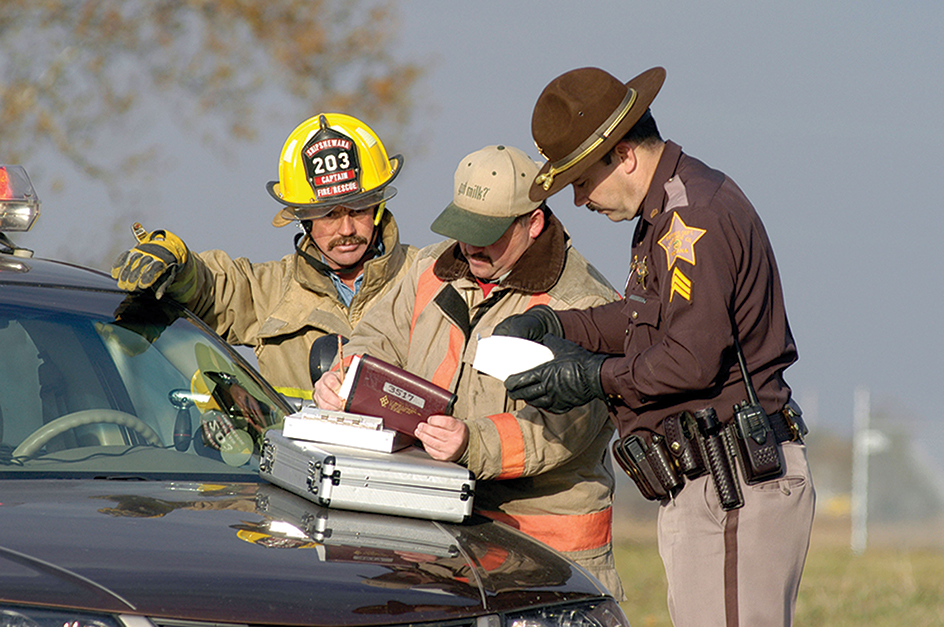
(254, 553)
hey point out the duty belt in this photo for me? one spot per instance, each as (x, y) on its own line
(689, 450)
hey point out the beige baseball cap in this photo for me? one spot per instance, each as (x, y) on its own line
(491, 190)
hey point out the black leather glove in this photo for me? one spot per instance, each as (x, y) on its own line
(533, 324)
(569, 380)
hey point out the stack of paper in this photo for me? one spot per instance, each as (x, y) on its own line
(343, 429)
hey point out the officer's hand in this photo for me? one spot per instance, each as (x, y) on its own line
(443, 437)
(569, 380)
(533, 324)
(153, 263)
(326, 391)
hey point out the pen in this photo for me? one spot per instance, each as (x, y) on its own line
(341, 358)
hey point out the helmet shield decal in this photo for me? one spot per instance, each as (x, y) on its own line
(331, 164)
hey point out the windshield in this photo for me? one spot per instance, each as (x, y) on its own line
(96, 382)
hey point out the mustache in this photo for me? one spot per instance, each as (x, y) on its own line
(480, 257)
(348, 240)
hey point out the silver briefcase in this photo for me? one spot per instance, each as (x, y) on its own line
(406, 483)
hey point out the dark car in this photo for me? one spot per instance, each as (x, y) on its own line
(130, 493)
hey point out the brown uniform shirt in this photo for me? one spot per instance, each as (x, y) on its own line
(701, 262)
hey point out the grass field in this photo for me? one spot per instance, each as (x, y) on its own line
(898, 581)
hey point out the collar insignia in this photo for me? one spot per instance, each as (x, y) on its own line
(679, 242)
(640, 270)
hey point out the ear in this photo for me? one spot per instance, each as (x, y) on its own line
(627, 156)
(536, 223)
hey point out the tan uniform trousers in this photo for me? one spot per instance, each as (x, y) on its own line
(740, 567)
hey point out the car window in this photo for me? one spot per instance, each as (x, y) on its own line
(124, 386)
(19, 372)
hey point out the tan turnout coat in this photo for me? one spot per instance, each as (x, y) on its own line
(280, 307)
(546, 474)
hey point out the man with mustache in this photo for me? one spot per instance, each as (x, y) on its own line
(546, 474)
(334, 181)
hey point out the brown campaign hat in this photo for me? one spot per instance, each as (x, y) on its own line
(491, 190)
(580, 116)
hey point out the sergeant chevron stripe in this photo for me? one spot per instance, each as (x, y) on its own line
(681, 285)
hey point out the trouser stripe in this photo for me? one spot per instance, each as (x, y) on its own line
(731, 569)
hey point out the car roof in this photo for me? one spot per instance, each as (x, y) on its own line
(47, 272)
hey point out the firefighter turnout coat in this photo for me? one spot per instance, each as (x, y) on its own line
(548, 475)
(280, 307)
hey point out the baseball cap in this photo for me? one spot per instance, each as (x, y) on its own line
(491, 190)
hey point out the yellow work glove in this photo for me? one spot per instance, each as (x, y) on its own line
(160, 261)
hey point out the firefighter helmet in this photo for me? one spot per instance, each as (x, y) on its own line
(332, 160)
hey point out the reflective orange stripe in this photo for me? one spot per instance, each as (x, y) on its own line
(538, 299)
(447, 369)
(512, 445)
(494, 557)
(426, 288)
(579, 532)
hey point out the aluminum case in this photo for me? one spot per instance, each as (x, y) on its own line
(405, 483)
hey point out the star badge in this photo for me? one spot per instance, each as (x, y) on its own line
(679, 242)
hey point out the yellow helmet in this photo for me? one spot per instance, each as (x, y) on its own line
(329, 160)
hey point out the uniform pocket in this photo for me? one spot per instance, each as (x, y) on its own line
(784, 485)
(644, 316)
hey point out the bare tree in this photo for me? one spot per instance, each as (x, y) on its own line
(73, 71)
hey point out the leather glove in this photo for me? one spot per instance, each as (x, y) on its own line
(533, 324)
(160, 261)
(569, 380)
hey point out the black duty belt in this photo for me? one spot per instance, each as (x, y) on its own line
(697, 444)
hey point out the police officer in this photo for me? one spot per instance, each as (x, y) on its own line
(703, 280)
(334, 180)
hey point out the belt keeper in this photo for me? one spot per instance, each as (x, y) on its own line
(793, 418)
(792, 425)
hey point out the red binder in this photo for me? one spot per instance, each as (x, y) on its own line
(402, 399)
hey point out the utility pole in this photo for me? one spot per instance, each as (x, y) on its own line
(865, 441)
(860, 470)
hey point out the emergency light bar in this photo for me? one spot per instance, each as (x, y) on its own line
(19, 204)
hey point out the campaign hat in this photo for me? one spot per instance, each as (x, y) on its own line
(580, 116)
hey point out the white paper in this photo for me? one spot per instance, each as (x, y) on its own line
(344, 429)
(348, 382)
(311, 412)
(501, 356)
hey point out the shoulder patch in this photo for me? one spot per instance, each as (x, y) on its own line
(679, 242)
